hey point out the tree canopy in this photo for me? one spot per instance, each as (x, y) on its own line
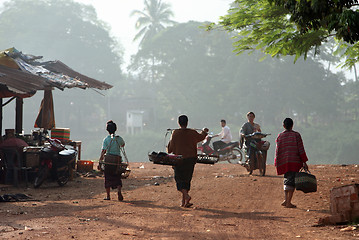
(63, 30)
(154, 17)
(70, 32)
(195, 64)
(292, 27)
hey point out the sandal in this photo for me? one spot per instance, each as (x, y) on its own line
(188, 205)
(120, 197)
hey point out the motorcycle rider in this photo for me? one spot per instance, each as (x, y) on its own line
(248, 128)
(226, 136)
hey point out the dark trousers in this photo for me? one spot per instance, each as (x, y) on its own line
(219, 145)
(184, 173)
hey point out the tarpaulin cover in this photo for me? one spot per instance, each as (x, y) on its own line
(46, 117)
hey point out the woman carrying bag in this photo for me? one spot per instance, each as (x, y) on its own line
(111, 158)
(290, 157)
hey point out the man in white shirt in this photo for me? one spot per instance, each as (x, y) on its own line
(226, 136)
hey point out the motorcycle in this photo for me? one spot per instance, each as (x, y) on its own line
(230, 152)
(256, 152)
(55, 160)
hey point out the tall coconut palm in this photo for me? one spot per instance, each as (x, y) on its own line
(154, 17)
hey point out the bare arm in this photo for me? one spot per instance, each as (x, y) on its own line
(257, 128)
(305, 166)
(103, 152)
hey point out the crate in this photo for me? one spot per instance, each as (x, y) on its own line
(84, 166)
(63, 134)
(32, 156)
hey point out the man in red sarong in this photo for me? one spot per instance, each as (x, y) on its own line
(290, 157)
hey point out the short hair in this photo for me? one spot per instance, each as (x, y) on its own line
(183, 120)
(111, 127)
(288, 123)
(251, 113)
(223, 121)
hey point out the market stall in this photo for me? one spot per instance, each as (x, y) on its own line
(21, 76)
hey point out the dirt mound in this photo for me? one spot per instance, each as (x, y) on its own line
(228, 204)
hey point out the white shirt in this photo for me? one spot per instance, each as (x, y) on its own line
(225, 134)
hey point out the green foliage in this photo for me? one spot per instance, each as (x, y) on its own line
(290, 27)
(332, 144)
(338, 17)
(72, 33)
(63, 30)
(263, 26)
(194, 64)
(153, 19)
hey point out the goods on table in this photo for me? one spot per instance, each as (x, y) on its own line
(63, 134)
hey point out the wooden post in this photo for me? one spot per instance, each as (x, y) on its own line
(1, 117)
(19, 115)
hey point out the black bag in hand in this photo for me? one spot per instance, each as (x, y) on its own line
(306, 182)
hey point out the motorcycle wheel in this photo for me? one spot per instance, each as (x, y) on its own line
(236, 157)
(41, 176)
(262, 164)
(63, 177)
(251, 163)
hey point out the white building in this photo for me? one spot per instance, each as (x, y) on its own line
(134, 121)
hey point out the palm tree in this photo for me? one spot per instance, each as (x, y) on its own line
(154, 17)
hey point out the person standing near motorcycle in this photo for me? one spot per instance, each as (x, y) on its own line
(290, 157)
(112, 145)
(225, 134)
(248, 128)
(184, 142)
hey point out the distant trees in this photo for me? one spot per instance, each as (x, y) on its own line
(64, 30)
(152, 19)
(199, 74)
(70, 32)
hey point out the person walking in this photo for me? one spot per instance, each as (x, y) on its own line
(184, 142)
(112, 146)
(290, 157)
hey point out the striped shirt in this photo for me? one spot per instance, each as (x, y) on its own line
(289, 154)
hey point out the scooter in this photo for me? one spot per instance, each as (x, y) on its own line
(230, 152)
(55, 160)
(256, 152)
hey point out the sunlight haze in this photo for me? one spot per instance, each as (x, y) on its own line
(117, 15)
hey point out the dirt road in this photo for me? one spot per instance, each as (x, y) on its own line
(228, 204)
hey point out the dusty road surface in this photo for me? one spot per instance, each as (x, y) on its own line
(228, 204)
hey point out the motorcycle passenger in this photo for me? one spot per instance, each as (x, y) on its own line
(226, 136)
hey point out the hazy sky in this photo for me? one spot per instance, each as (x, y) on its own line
(117, 14)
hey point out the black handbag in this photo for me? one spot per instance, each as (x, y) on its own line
(305, 181)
